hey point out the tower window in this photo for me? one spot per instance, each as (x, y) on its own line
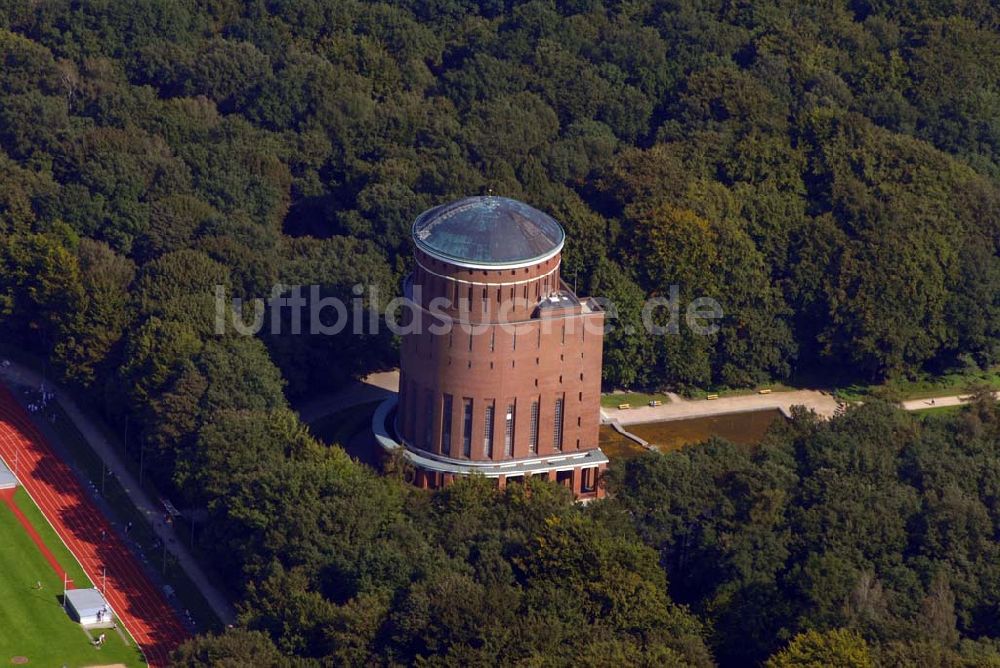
(508, 432)
(467, 427)
(533, 431)
(557, 427)
(411, 411)
(428, 418)
(446, 424)
(488, 431)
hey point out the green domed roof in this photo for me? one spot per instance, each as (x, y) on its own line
(487, 231)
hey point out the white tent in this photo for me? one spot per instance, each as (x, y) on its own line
(88, 607)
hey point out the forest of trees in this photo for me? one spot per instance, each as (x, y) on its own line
(827, 170)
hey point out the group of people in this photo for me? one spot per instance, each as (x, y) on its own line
(102, 616)
(46, 397)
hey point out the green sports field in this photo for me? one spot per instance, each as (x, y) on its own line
(32, 622)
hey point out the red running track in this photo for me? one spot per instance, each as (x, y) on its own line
(139, 604)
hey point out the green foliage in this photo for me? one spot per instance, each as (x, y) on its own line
(838, 648)
(827, 172)
(876, 522)
(236, 647)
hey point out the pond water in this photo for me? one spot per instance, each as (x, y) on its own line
(743, 428)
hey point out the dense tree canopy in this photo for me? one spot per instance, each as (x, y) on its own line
(877, 522)
(834, 163)
(826, 171)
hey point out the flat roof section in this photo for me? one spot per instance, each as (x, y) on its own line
(87, 603)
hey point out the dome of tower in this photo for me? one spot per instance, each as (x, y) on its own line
(489, 232)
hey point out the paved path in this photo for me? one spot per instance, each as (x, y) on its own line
(679, 408)
(107, 561)
(939, 402)
(371, 388)
(823, 403)
(19, 375)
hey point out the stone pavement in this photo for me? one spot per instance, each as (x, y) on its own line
(376, 386)
(18, 375)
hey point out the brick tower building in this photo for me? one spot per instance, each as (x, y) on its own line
(501, 363)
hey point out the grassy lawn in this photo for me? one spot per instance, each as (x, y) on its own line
(32, 621)
(933, 411)
(636, 399)
(922, 388)
(738, 391)
(936, 411)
